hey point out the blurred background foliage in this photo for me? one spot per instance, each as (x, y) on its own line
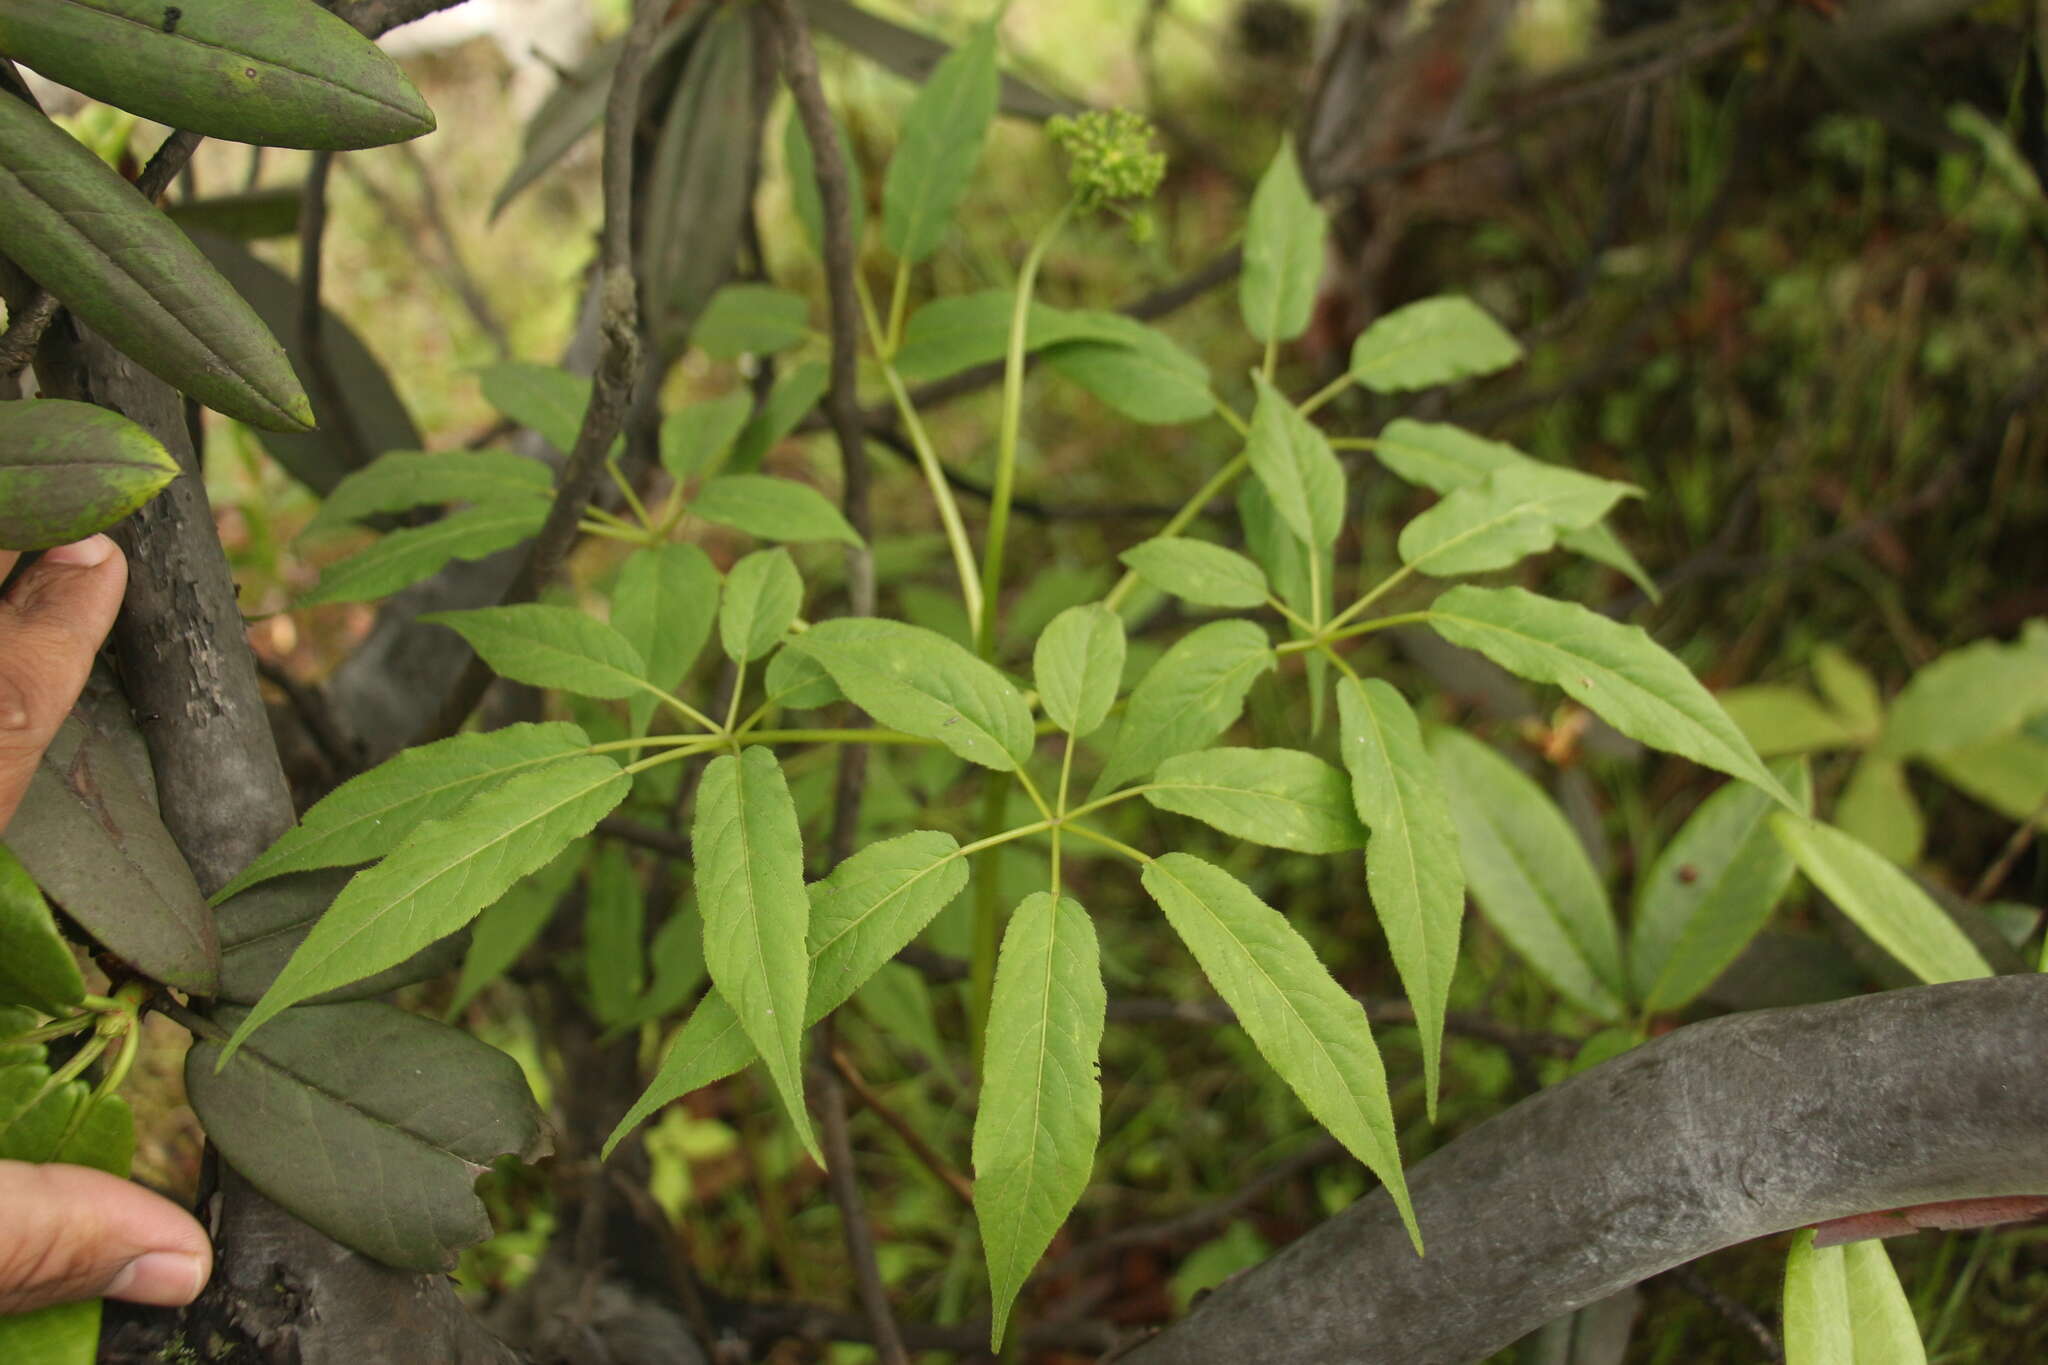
(1802, 301)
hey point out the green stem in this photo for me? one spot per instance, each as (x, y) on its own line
(636, 536)
(899, 299)
(1060, 809)
(1191, 509)
(1229, 415)
(683, 709)
(625, 487)
(63, 1028)
(1294, 618)
(1328, 637)
(830, 737)
(1326, 393)
(1137, 856)
(988, 916)
(732, 709)
(942, 493)
(1386, 585)
(1007, 433)
(596, 513)
(62, 1076)
(1037, 798)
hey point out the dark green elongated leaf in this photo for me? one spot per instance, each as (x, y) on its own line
(1877, 806)
(1530, 874)
(1412, 862)
(873, 904)
(275, 72)
(797, 680)
(87, 236)
(1880, 1316)
(36, 967)
(1292, 460)
(762, 596)
(249, 216)
(553, 647)
(960, 331)
(1816, 1305)
(750, 891)
(757, 319)
(663, 605)
(1883, 901)
(1709, 892)
(922, 683)
(1196, 571)
(1618, 671)
(1283, 252)
(698, 187)
(941, 140)
(541, 398)
(772, 509)
(1136, 369)
(321, 1079)
(913, 55)
(1430, 342)
(1780, 719)
(614, 922)
(321, 457)
(1078, 664)
(70, 469)
(509, 926)
(800, 165)
(1041, 1103)
(1516, 511)
(676, 960)
(402, 479)
(89, 833)
(441, 875)
(1282, 798)
(403, 558)
(1193, 694)
(1969, 695)
(695, 439)
(1305, 1026)
(789, 402)
(370, 814)
(262, 927)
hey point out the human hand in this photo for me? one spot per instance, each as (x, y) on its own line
(70, 1232)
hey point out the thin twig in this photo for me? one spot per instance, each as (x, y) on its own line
(329, 400)
(650, 837)
(343, 754)
(618, 363)
(459, 274)
(948, 1176)
(853, 1215)
(1995, 875)
(1732, 1311)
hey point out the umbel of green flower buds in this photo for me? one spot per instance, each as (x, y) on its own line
(1111, 160)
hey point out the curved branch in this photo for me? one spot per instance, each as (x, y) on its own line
(1712, 1135)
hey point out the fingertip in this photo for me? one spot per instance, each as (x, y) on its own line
(163, 1279)
(89, 553)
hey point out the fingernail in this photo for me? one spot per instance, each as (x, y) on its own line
(81, 554)
(164, 1278)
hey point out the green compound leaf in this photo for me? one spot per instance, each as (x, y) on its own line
(369, 815)
(403, 558)
(87, 236)
(1617, 671)
(1412, 864)
(262, 927)
(1530, 875)
(872, 905)
(1283, 252)
(1779, 719)
(1292, 460)
(1137, 370)
(321, 1080)
(403, 479)
(663, 606)
(550, 647)
(1078, 664)
(1969, 695)
(1196, 571)
(1882, 901)
(1850, 690)
(751, 319)
(772, 509)
(1710, 891)
(1193, 694)
(510, 925)
(276, 72)
(943, 132)
(1303, 1023)
(697, 438)
(1041, 1102)
(792, 398)
(1877, 806)
(762, 596)
(799, 163)
(36, 966)
(441, 875)
(68, 470)
(543, 399)
(1516, 511)
(614, 921)
(1282, 798)
(750, 891)
(1430, 342)
(960, 331)
(920, 682)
